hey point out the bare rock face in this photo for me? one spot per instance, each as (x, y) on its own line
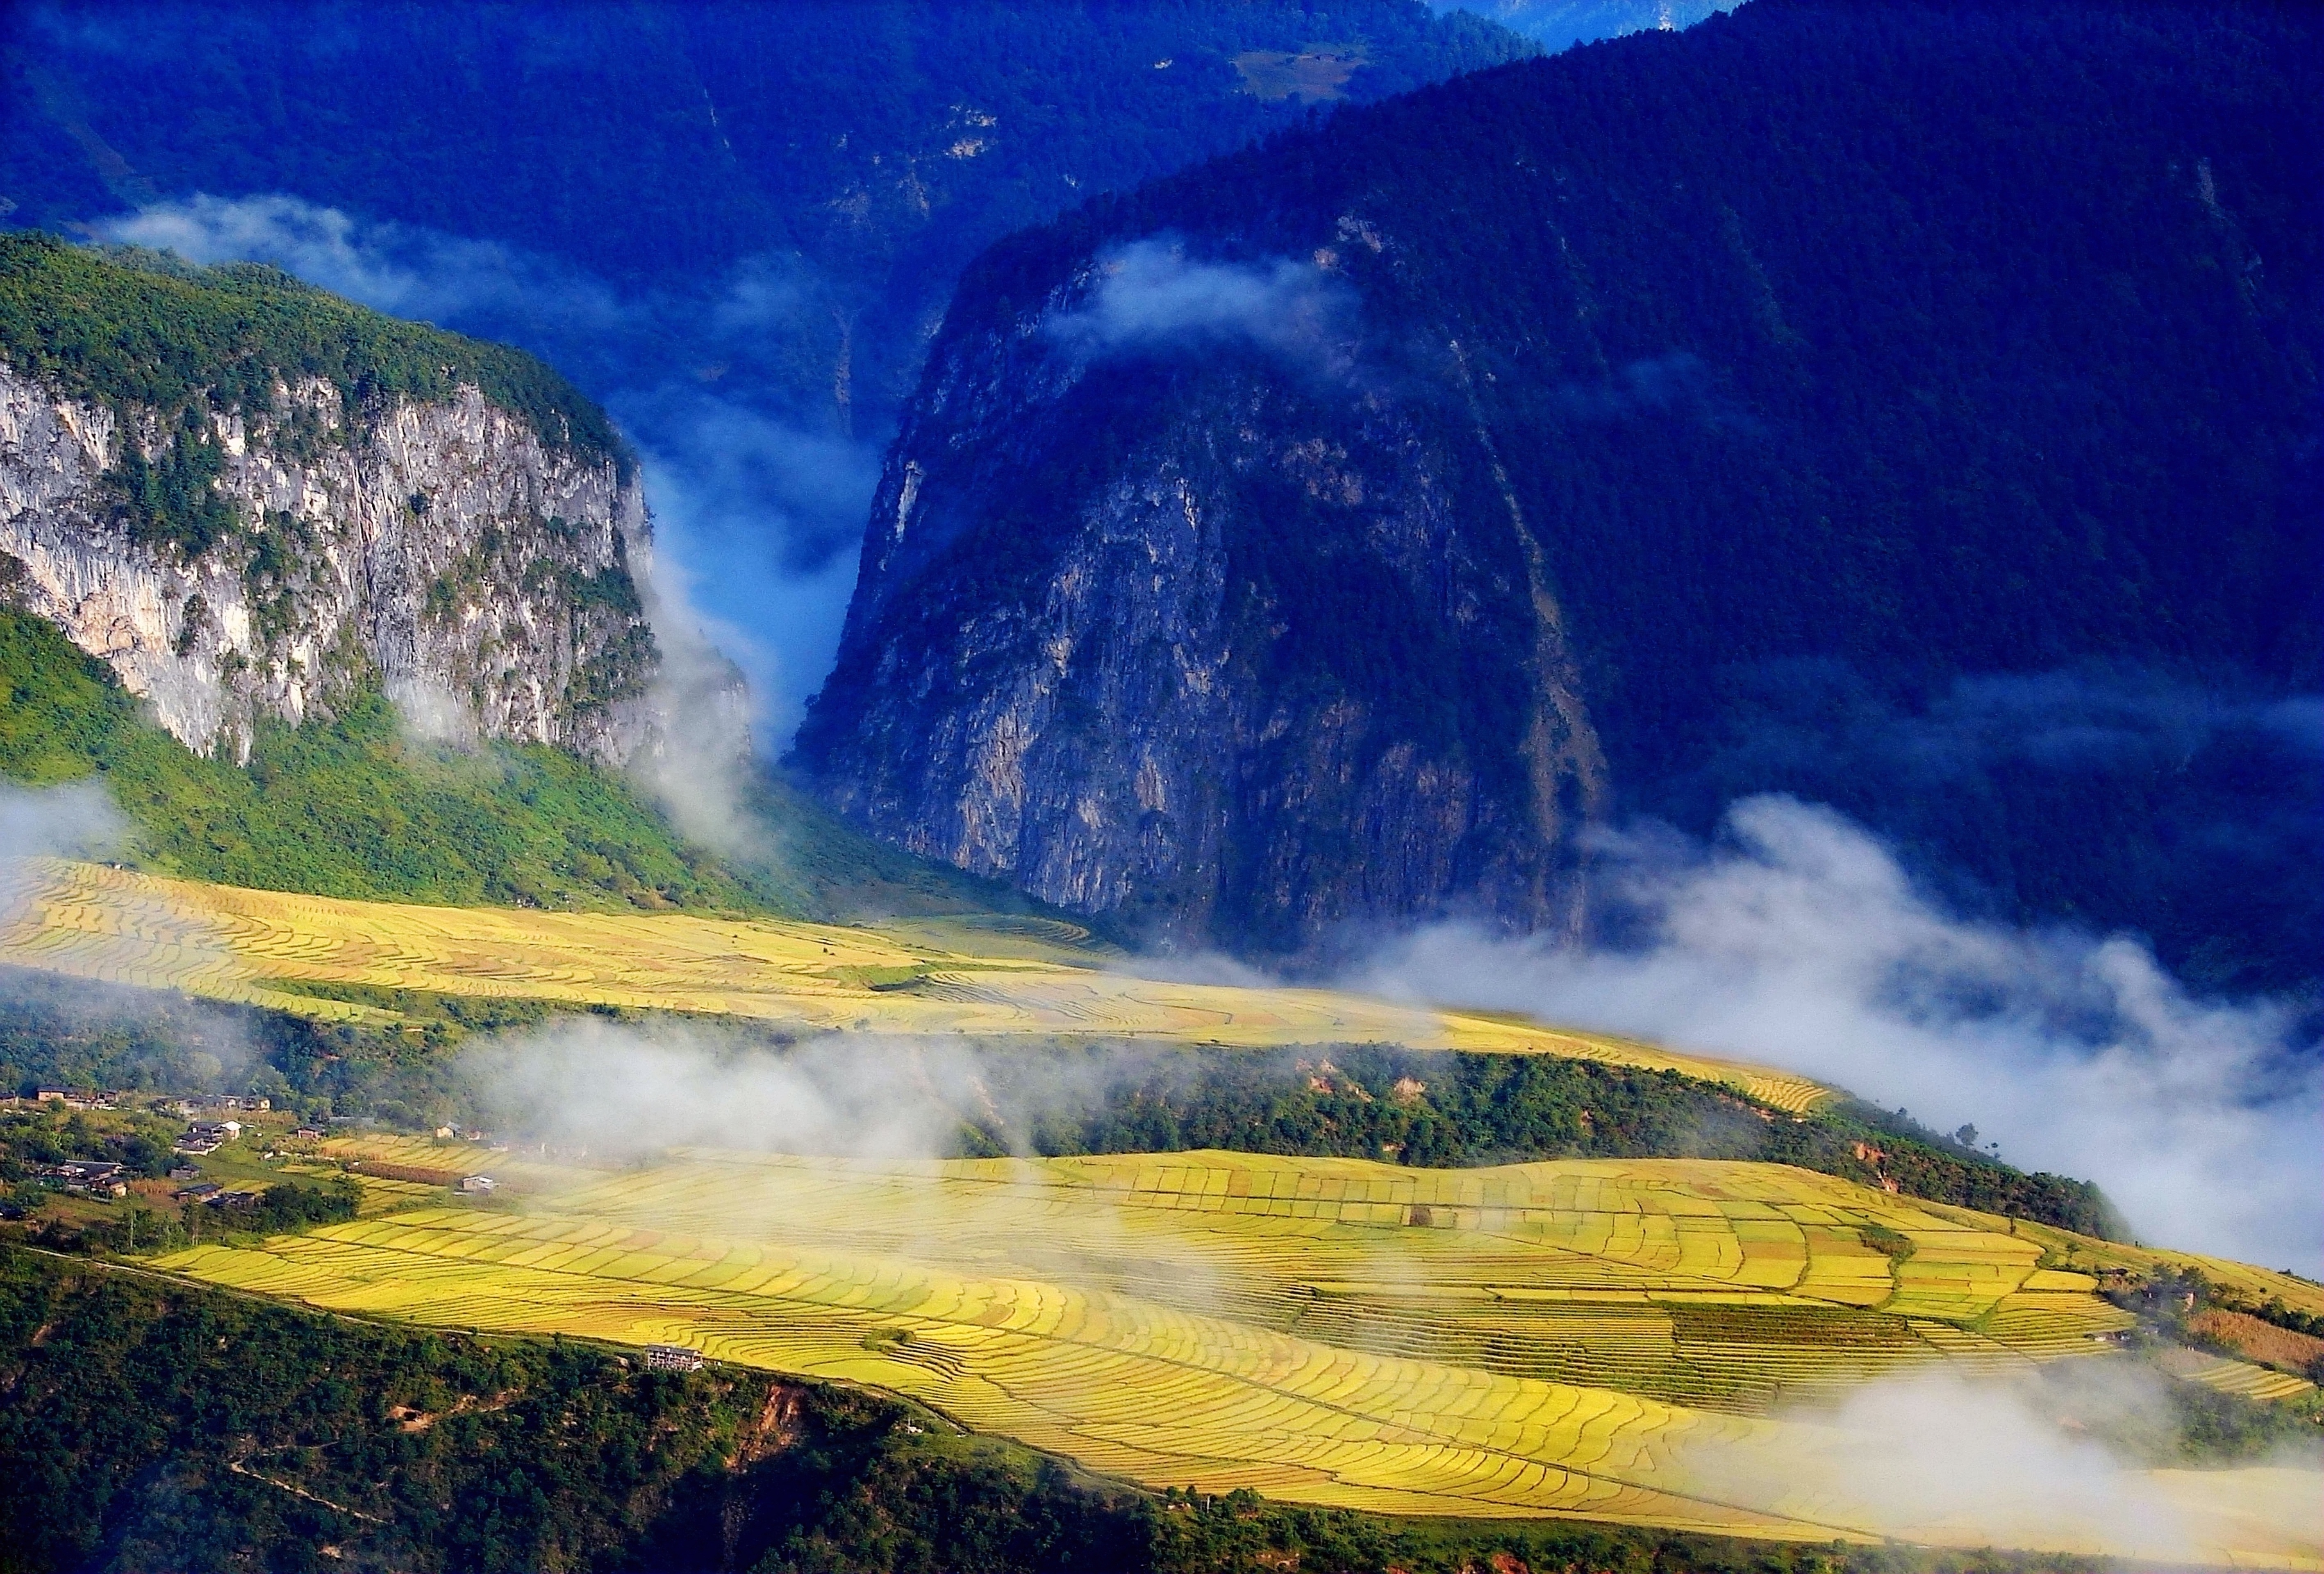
(439, 547)
(1285, 664)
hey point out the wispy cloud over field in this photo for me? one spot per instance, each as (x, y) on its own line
(1797, 939)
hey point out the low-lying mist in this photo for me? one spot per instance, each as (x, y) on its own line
(1796, 939)
(2062, 1459)
(634, 1090)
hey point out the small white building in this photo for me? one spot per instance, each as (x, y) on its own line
(672, 1359)
(478, 1185)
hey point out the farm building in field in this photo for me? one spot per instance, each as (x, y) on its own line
(478, 1185)
(672, 1359)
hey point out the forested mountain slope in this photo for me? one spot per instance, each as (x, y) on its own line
(1911, 405)
(854, 155)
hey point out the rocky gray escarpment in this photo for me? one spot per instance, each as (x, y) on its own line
(1332, 533)
(1290, 663)
(438, 546)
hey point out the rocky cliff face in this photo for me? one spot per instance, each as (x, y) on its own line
(436, 546)
(1289, 663)
(1332, 533)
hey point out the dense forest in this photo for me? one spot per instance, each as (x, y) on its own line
(148, 1425)
(1913, 407)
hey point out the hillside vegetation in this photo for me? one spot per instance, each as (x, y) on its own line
(352, 806)
(347, 806)
(125, 327)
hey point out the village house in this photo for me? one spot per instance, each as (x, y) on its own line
(478, 1185)
(207, 1136)
(672, 1359)
(90, 1177)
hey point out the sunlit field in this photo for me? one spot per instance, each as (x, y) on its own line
(1570, 1338)
(234, 944)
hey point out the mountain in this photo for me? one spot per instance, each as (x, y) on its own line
(1559, 24)
(1909, 406)
(249, 499)
(839, 160)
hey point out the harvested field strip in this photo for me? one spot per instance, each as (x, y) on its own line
(2259, 1340)
(229, 944)
(2230, 1377)
(1570, 1348)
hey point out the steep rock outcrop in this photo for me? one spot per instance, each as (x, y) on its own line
(1331, 533)
(1290, 662)
(438, 545)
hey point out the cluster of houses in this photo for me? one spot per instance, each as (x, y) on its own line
(190, 1108)
(204, 1137)
(70, 1098)
(672, 1359)
(86, 1177)
(224, 1104)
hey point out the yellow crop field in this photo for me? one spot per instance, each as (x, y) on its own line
(234, 944)
(1570, 1337)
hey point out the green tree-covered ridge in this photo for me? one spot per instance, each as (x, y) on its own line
(126, 328)
(1429, 1107)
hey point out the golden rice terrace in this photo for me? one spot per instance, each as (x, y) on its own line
(234, 944)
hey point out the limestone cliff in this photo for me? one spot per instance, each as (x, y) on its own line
(1290, 662)
(258, 556)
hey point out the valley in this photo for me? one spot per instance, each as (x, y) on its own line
(1458, 659)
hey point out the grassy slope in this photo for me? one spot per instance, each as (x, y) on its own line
(345, 807)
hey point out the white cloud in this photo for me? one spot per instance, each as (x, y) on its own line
(1149, 296)
(1798, 940)
(2039, 1463)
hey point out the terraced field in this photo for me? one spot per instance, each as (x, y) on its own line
(1569, 1337)
(229, 944)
